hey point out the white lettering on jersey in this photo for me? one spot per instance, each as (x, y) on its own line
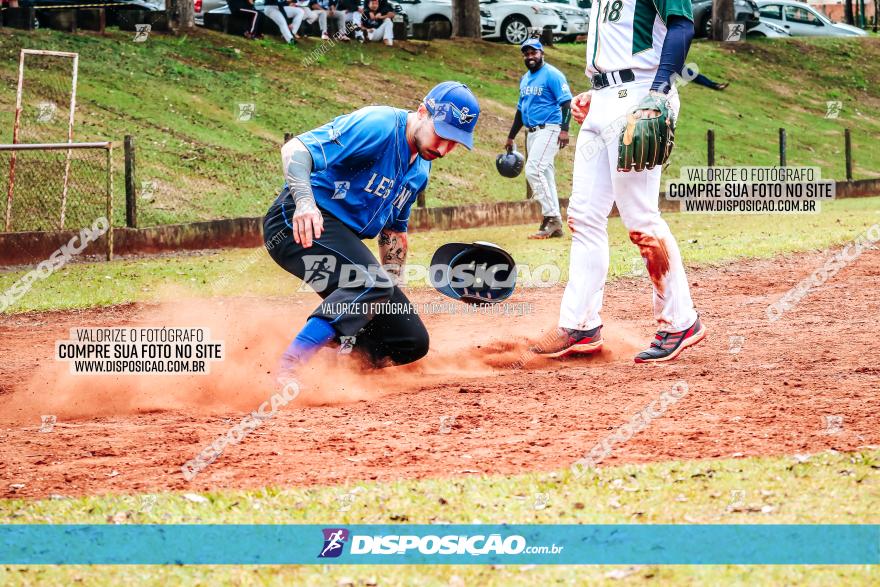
(532, 91)
(402, 196)
(383, 189)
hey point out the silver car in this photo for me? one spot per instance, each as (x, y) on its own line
(575, 20)
(802, 20)
(204, 6)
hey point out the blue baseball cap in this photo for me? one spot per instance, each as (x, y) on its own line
(455, 110)
(531, 44)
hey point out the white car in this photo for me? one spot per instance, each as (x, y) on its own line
(516, 20)
(419, 11)
(422, 11)
(202, 7)
(802, 20)
(769, 30)
(575, 19)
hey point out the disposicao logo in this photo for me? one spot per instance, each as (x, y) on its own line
(478, 545)
(334, 541)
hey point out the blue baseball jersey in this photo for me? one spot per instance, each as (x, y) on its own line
(540, 95)
(361, 172)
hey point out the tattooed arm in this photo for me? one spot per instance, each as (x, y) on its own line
(393, 247)
(307, 221)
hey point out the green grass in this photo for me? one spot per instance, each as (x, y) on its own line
(704, 239)
(179, 97)
(831, 487)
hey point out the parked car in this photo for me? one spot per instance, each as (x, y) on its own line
(419, 11)
(203, 6)
(487, 23)
(769, 30)
(114, 9)
(575, 20)
(422, 11)
(745, 11)
(802, 20)
(515, 19)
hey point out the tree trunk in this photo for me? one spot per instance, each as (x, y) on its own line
(848, 12)
(722, 13)
(181, 15)
(876, 13)
(466, 19)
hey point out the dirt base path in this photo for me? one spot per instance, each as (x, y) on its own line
(808, 382)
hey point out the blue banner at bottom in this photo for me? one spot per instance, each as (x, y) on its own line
(440, 544)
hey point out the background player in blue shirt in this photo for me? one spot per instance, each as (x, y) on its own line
(355, 178)
(544, 108)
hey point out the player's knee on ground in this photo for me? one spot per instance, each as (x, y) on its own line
(394, 339)
(417, 348)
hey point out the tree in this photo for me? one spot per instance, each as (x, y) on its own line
(466, 19)
(848, 12)
(181, 15)
(722, 13)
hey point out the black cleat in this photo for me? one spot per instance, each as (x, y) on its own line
(666, 346)
(571, 342)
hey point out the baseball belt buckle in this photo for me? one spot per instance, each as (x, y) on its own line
(613, 78)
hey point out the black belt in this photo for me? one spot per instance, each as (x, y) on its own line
(534, 128)
(609, 78)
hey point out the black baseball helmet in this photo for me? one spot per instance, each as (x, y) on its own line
(476, 273)
(510, 164)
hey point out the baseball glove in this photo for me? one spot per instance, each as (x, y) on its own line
(648, 137)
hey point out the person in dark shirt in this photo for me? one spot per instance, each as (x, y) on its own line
(702, 80)
(378, 21)
(255, 17)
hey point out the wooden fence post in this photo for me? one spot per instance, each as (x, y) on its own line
(130, 186)
(710, 148)
(782, 147)
(848, 154)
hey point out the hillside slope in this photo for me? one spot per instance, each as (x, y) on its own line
(180, 97)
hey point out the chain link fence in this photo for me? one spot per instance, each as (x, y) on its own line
(47, 96)
(56, 186)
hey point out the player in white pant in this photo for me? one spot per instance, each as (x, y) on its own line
(544, 108)
(634, 49)
(274, 12)
(312, 11)
(354, 18)
(343, 12)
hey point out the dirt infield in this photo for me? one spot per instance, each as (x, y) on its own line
(462, 410)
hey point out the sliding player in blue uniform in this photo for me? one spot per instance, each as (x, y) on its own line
(352, 179)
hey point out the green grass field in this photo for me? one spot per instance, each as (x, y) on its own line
(704, 240)
(179, 97)
(832, 488)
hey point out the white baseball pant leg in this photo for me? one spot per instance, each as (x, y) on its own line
(596, 186)
(339, 17)
(295, 14)
(385, 32)
(311, 16)
(355, 18)
(543, 146)
(274, 14)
